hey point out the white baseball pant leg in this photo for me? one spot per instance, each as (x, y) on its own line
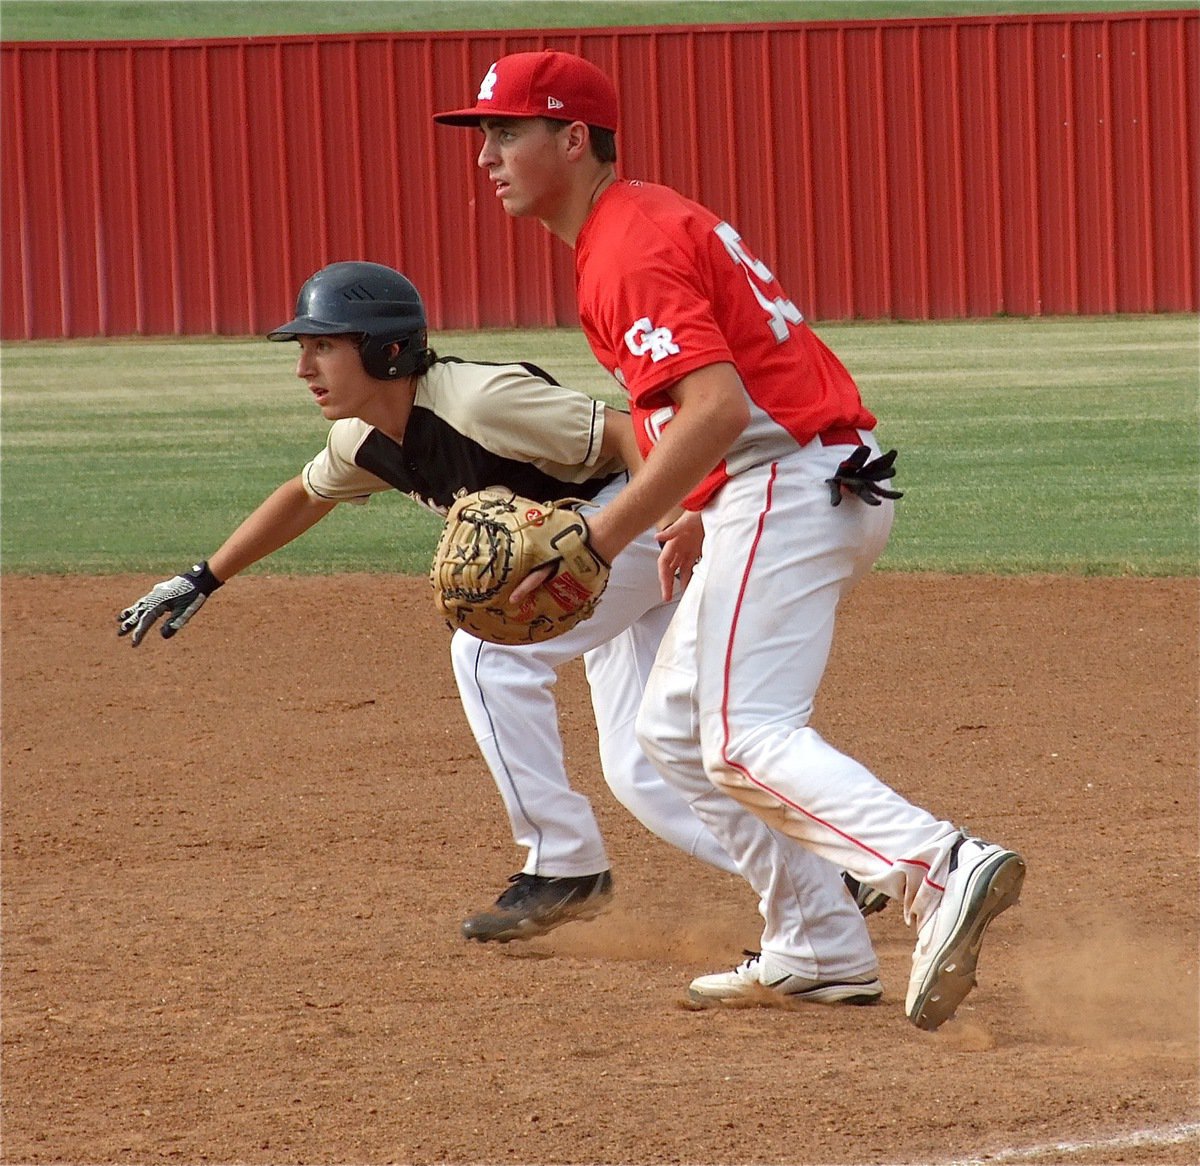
(765, 631)
(508, 696)
(812, 927)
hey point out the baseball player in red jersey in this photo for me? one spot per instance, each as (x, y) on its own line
(747, 418)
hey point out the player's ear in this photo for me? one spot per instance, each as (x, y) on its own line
(577, 138)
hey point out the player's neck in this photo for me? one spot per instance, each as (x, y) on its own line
(573, 212)
(391, 408)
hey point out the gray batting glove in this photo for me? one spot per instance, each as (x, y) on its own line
(180, 597)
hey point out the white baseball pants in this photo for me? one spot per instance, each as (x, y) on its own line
(508, 696)
(728, 705)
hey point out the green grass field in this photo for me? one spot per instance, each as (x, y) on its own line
(1057, 445)
(1046, 445)
(169, 19)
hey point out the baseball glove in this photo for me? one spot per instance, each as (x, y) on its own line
(492, 540)
(859, 477)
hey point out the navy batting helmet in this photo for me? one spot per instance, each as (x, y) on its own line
(369, 300)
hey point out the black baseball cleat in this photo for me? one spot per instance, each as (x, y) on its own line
(867, 899)
(535, 904)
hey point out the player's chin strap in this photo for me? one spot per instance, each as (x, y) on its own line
(859, 477)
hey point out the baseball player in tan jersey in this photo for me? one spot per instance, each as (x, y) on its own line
(433, 428)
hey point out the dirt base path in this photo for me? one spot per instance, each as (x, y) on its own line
(234, 867)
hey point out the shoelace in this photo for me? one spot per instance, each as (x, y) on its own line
(519, 887)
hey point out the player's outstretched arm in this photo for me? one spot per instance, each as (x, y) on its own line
(283, 516)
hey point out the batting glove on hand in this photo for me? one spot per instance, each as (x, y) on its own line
(182, 597)
(861, 478)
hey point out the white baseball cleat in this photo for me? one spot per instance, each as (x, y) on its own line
(984, 880)
(759, 977)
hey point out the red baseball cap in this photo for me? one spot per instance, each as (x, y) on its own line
(545, 84)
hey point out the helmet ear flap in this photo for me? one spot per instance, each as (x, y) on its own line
(383, 365)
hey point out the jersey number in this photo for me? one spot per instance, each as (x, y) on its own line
(654, 423)
(780, 311)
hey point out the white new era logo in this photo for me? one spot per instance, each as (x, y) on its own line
(553, 103)
(488, 85)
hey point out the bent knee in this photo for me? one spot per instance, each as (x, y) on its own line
(650, 742)
(742, 758)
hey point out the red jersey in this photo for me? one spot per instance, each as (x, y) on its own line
(665, 288)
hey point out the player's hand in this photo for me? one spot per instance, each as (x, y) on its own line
(530, 584)
(535, 579)
(180, 598)
(681, 542)
(859, 477)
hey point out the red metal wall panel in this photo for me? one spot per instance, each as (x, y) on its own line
(1132, 251)
(1091, 149)
(1017, 164)
(904, 168)
(938, 114)
(156, 255)
(905, 206)
(16, 310)
(36, 235)
(979, 137)
(868, 175)
(1174, 95)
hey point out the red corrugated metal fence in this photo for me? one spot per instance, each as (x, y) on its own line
(911, 169)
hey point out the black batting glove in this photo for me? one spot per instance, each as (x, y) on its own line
(180, 597)
(861, 478)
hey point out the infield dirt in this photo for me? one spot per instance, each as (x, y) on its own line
(234, 866)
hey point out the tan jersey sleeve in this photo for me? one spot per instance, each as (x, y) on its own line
(332, 475)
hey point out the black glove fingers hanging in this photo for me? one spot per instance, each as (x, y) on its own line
(860, 477)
